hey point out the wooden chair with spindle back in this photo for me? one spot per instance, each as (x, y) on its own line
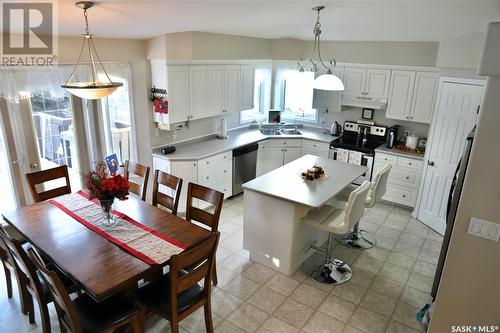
(179, 293)
(27, 273)
(138, 170)
(83, 314)
(37, 178)
(208, 219)
(162, 199)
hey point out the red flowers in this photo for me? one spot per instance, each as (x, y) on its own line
(103, 186)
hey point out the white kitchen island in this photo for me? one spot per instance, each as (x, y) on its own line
(275, 204)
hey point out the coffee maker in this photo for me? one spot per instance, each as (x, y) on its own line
(392, 136)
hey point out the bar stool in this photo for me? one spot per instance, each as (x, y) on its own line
(336, 221)
(358, 238)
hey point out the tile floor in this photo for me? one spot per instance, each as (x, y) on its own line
(390, 283)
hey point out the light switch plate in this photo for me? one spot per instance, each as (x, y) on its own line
(484, 229)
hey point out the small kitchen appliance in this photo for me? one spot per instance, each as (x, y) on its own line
(336, 129)
(411, 141)
(392, 136)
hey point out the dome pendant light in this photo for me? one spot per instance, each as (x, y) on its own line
(93, 89)
(326, 81)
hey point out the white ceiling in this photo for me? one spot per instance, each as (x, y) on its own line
(394, 20)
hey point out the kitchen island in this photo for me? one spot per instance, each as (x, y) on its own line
(275, 204)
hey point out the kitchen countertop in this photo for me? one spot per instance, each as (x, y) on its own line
(383, 149)
(285, 182)
(199, 149)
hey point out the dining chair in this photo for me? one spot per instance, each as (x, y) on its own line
(138, 170)
(336, 221)
(36, 179)
(204, 217)
(83, 314)
(179, 293)
(28, 276)
(163, 199)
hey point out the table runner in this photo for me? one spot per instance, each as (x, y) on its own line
(137, 239)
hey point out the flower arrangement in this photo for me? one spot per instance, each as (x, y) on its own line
(316, 172)
(105, 186)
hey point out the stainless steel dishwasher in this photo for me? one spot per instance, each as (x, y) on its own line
(244, 165)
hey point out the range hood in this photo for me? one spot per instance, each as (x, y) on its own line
(364, 102)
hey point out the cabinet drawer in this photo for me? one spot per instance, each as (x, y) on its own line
(226, 188)
(206, 176)
(401, 195)
(284, 142)
(224, 157)
(410, 163)
(386, 159)
(315, 145)
(224, 172)
(207, 162)
(410, 178)
(315, 151)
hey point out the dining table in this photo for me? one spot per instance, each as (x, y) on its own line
(100, 267)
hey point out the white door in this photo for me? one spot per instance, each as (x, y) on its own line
(188, 171)
(261, 159)
(232, 88)
(454, 118)
(354, 83)
(178, 93)
(216, 76)
(274, 158)
(424, 96)
(291, 154)
(198, 91)
(400, 95)
(377, 82)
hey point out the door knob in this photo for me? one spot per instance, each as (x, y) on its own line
(430, 163)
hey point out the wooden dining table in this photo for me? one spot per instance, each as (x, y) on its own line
(100, 267)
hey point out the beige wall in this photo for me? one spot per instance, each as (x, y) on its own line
(461, 51)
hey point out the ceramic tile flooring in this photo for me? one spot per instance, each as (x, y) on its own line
(390, 283)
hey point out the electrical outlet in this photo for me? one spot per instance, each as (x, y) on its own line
(484, 229)
(322, 120)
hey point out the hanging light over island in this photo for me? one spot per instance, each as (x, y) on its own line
(327, 81)
(94, 88)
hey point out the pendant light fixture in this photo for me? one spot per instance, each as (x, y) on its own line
(326, 81)
(94, 88)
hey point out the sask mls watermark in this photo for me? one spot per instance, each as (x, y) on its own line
(29, 33)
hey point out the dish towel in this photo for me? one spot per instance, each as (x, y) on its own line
(355, 157)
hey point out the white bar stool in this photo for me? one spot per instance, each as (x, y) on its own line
(337, 222)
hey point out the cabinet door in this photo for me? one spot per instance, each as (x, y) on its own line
(178, 93)
(329, 100)
(377, 83)
(247, 87)
(400, 95)
(198, 91)
(188, 171)
(291, 154)
(261, 159)
(232, 88)
(274, 158)
(354, 83)
(216, 83)
(424, 97)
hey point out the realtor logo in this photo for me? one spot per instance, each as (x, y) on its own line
(28, 31)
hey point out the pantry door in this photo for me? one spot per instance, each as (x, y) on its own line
(454, 117)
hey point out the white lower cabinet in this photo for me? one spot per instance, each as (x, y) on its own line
(316, 148)
(274, 153)
(404, 178)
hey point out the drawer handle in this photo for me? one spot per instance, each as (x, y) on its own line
(409, 163)
(208, 177)
(385, 158)
(284, 143)
(407, 177)
(225, 171)
(314, 145)
(404, 195)
(208, 162)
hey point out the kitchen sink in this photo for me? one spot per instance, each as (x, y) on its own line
(269, 131)
(290, 131)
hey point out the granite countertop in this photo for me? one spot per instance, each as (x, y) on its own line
(287, 184)
(199, 149)
(398, 152)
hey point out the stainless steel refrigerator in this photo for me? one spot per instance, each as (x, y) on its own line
(451, 211)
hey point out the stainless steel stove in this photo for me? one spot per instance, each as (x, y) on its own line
(357, 145)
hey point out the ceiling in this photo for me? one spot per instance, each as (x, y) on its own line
(394, 20)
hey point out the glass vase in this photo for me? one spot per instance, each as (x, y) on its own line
(107, 209)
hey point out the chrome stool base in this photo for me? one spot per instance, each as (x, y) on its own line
(358, 239)
(326, 270)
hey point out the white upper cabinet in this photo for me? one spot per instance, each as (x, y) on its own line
(216, 93)
(329, 100)
(198, 91)
(424, 97)
(399, 104)
(178, 93)
(367, 82)
(412, 96)
(247, 87)
(232, 88)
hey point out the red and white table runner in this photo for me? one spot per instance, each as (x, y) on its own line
(137, 239)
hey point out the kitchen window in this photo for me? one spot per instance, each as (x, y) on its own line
(296, 98)
(262, 97)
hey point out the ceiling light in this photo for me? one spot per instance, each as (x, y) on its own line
(92, 89)
(327, 81)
